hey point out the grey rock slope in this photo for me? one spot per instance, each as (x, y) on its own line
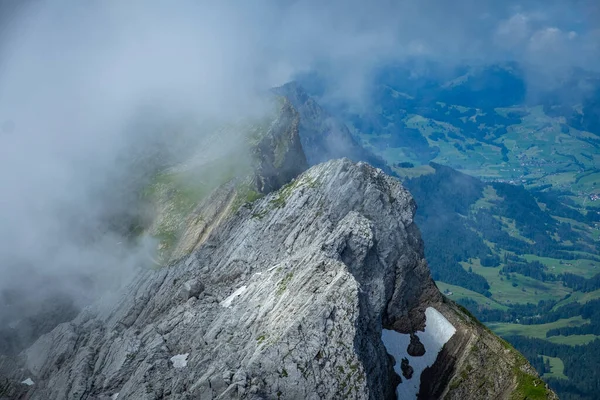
(264, 156)
(286, 299)
(278, 155)
(323, 137)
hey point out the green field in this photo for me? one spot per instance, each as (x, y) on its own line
(510, 227)
(590, 230)
(490, 197)
(527, 290)
(579, 297)
(557, 368)
(413, 172)
(539, 151)
(535, 331)
(588, 181)
(459, 293)
(572, 340)
(583, 267)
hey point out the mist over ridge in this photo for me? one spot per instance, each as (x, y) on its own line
(85, 87)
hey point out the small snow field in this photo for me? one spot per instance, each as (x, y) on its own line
(437, 333)
(180, 360)
(227, 302)
(28, 382)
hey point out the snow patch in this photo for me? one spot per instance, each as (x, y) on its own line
(438, 327)
(437, 332)
(180, 360)
(28, 382)
(114, 396)
(227, 302)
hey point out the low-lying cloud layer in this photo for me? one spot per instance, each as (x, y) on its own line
(76, 78)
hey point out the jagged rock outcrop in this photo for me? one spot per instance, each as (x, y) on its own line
(323, 137)
(278, 155)
(285, 299)
(415, 348)
(267, 156)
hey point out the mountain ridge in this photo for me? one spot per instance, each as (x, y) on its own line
(283, 288)
(347, 262)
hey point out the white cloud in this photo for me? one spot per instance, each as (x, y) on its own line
(547, 39)
(513, 31)
(74, 75)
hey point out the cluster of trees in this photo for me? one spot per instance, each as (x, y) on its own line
(588, 119)
(443, 197)
(581, 365)
(541, 364)
(485, 127)
(534, 269)
(519, 205)
(470, 122)
(490, 261)
(396, 134)
(454, 233)
(542, 313)
(479, 121)
(589, 310)
(537, 270)
(526, 314)
(559, 204)
(534, 224)
(580, 283)
(582, 362)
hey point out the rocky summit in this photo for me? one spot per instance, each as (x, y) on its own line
(317, 290)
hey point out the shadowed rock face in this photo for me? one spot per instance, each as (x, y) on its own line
(323, 137)
(278, 155)
(285, 299)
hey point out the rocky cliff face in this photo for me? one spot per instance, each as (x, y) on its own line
(311, 289)
(288, 298)
(191, 198)
(278, 154)
(323, 137)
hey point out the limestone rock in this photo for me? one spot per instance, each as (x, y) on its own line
(278, 155)
(297, 288)
(191, 288)
(407, 370)
(415, 348)
(323, 137)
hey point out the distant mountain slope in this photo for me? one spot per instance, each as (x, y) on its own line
(482, 120)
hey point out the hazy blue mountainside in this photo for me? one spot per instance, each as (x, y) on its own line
(506, 179)
(481, 120)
